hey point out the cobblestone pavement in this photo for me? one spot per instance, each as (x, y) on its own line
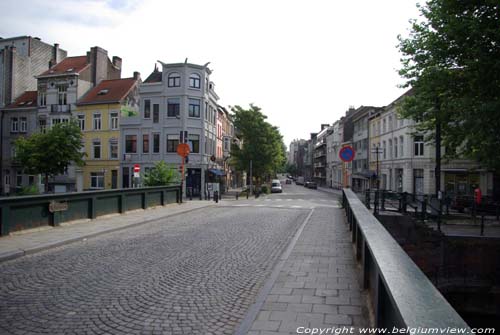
(192, 274)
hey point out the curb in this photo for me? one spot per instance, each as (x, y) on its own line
(14, 254)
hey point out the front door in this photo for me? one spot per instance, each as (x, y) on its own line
(114, 179)
(193, 182)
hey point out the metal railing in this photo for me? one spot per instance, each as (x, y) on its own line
(25, 212)
(429, 208)
(400, 293)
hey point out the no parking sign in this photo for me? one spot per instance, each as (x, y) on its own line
(347, 154)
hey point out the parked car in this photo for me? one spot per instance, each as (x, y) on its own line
(311, 184)
(288, 181)
(276, 187)
(300, 181)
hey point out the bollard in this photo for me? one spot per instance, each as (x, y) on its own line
(382, 206)
(237, 194)
(248, 192)
(482, 224)
(375, 202)
(208, 197)
(216, 196)
(191, 194)
(367, 199)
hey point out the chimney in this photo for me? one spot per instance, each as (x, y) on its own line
(55, 52)
(324, 125)
(51, 63)
(137, 75)
(117, 62)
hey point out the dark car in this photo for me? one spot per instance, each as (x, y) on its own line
(311, 184)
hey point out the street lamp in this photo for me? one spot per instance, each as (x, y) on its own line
(378, 151)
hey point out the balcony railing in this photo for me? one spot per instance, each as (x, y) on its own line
(60, 108)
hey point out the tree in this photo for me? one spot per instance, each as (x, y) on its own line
(262, 143)
(161, 174)
(451, 60)
(52, 152)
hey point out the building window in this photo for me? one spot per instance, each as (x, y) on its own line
(384, 125)
(131, 144)
(145, 143)
(173, 107)
(62, 94)
(114, 120)
(42, 99)
(147, 109)
(194, 143)
(31, 180)
(418, 146)
(384, 147)
(156, 113)
(401, 146)
(97, 179)
(395, 148)
(24, 125)
(19, 179)
(81, 121)
(390, 149)
(42, 124)
(174, 80)
(418, 181)
(194, 81)
(14, 125)
(172, 143)
(97, 121)
(113, 150)
(96, 149)
(194, 108)
(156, 143)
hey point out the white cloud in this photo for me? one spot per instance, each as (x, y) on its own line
(303, 62)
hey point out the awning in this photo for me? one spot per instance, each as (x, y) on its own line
(217, 172)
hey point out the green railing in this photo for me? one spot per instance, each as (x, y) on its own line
(25, 212)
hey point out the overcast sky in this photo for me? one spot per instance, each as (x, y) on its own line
(303, 62)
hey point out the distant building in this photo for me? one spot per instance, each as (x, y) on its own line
(320, 153)
(334, 164)
(18, 119)
(21, 60)
(99, 113)
(179, 98)
(60, 88)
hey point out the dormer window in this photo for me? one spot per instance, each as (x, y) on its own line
(194, 81)
(174, 80)
(103, 92)
(70, 70)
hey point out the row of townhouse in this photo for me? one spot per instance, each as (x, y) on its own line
(389, 154)
(124, 121)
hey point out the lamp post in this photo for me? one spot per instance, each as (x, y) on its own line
(378, 151)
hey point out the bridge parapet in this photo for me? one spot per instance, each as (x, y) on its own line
(400, 294)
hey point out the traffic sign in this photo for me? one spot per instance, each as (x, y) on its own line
(183, 149)
(347, 154)
(137, 168)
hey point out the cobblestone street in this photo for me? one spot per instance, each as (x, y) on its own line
(195, 273)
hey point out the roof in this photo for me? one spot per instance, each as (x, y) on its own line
(26, 100)
(67, 66)
(154, 77)
(108, 91)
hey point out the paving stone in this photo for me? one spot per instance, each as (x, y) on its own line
(338, 319)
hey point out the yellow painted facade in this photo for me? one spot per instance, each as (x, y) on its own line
(101, 133)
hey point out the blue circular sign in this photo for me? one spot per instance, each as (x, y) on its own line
(347, 154)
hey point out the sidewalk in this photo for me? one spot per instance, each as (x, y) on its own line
(25, 243)
(330, 190)
(315, 284)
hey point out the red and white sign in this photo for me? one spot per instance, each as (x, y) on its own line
(137, 168)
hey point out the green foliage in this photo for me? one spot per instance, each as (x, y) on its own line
(52, 152)
(265, 189)
(28, 190)
(451, 60)
(162, 174)
(262, 143)
(291, 169)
